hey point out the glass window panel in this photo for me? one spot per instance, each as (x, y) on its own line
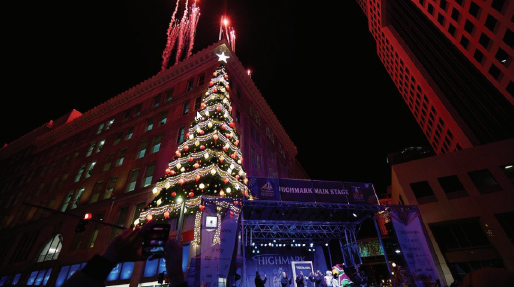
(115, 273)
(126, 270)
(151, 268)
(62, 276)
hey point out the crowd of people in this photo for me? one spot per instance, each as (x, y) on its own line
(126, 246)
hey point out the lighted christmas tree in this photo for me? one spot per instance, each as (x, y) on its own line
(208, 162)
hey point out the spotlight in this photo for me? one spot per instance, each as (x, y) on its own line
(397, 251)
(354, 214)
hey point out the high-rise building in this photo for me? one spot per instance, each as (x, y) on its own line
(105, 162)
(452, 64)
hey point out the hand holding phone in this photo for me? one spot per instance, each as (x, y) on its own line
(155, 238)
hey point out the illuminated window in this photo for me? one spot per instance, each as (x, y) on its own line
(185, 109)
(181, 134)
(147, 179)
(142, 149)
(130, 133)
(156, 143)
(96, 191)
(131, 184)
(51, 250)
(149, 125)
(121, 157)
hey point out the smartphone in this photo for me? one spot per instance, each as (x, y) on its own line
(155, 238)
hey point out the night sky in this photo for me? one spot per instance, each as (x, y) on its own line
(315, 65)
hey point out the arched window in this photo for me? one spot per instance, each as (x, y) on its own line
(52, 249)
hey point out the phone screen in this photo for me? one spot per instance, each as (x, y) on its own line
(155, 239)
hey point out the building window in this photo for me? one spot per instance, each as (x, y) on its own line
(484, 181)
(464, 42)
(149, 125)
(495, 72)
(452, 187)
(97, 189)
(156, 143)
(163, 117)
(130, 133)
(90, 169)
(122, 271)
(506, 220)
(142, 149)
(117, 138)
(190, 83)
(51, 250)
(94, 233)
(121, 157)
(423, 192)
(201, 80)
(110, 187)
(131, 184)
(66, 201)
(137, 110)
(484, 41)
(39, 277)
(498, 5)
(24, 246)
(76, 199)
(508, 38)
(466, 233)
(80, 172)
(180, 137)
(100, 145)
(502, 57)
(455, 15)
(90, 149)
(198, 102)
(100, 127)
(490, 23)
(168, 95)
(108, 161)
(147, 178)
(185, 109)
(122, 217)
(474, 9)
(469, 27)
(478, 56)
(156, 101)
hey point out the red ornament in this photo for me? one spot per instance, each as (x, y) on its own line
(168, 170)
(226, 77)
(191, 194)
(186, 148)
(197, 177)
(202, 207)
(191, 158)
(202, 147)
(211, 83)
(223, 126)
(149, 217)
(232, 124)
(215, 90)
(166, 214)
(173, 194)
(181, 181)
(218, 108)
(225, 179)
(202, 132)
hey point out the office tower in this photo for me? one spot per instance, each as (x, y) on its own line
(452, 64)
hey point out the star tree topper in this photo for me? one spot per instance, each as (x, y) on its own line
(222, 57)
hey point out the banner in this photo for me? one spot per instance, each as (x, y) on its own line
(272, 261)
(330, 191)
(361, 193)
(264, 188)
(218, 243)
(312, 190)
(301, 268)
(414, 246)
(296, 190)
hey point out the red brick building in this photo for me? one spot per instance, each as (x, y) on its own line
(105, 161)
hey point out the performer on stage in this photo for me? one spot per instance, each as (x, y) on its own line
(299, 280)
(316, 278)
(259, 282)
(285, 281)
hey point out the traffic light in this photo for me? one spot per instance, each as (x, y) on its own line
(81, 226)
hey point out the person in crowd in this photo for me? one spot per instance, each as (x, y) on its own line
(126, 246)
(335, 280)
(316, 278)
(285, 281)
(300, 280)
(259, 282)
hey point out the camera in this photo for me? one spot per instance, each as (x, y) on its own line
(155, 238)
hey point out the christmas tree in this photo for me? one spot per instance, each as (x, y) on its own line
(208, 162)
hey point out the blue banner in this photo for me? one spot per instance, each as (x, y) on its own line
(296, 190)
(330, 191)
(312, 190)
(264, 188)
